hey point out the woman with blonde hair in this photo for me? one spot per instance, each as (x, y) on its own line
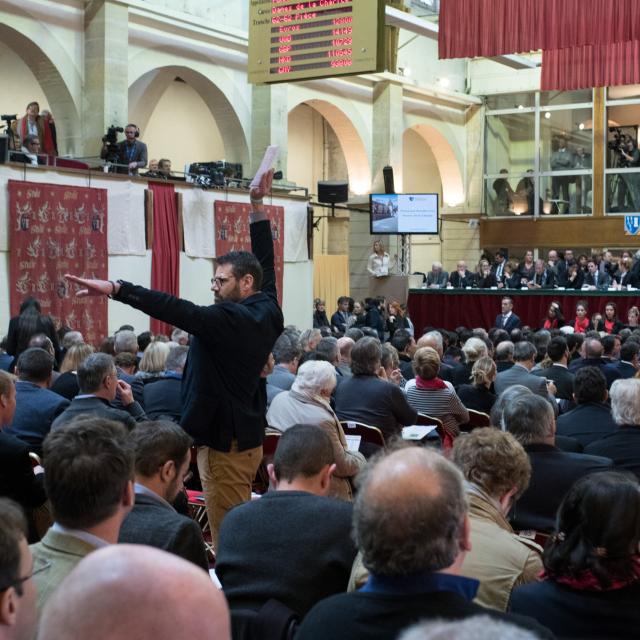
(66, 384)
(427, 393)
(153, 360)
(379, 263)
(478, 395)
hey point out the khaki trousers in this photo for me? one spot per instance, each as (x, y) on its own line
(226, 480)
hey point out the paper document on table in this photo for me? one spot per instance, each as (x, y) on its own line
(417, 432)
(268, 161)
(353, 443)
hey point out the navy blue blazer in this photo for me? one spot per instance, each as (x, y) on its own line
(36, 409)
(513, 322)
(163, 397)
(586, 423)
(223, 396)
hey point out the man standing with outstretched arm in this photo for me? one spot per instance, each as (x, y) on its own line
(223, 404)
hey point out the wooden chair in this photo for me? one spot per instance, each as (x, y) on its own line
(477, 420)
(446, 441)
(367, 433)
(269, 445)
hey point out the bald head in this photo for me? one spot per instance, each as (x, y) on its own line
(133, 591)
(425, 492)
(592, 348)
(432, 339)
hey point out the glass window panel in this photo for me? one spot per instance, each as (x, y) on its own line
(623, 193)
(571, 130)
(509, 196)
(623, 124)
(554, 98)
(511, 101)
(566, 195)
(510, 143)
(626, 92)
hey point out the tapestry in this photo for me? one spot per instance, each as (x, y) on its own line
(53, 230)
(231, 220)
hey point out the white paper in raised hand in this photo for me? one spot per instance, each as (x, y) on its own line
(268, 161)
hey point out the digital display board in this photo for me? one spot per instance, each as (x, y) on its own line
(404, 213)
(314, 39)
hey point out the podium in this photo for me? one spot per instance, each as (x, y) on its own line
(393, 287)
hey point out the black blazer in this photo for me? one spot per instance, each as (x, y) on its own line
(66, 385)
(587, 423)
(163, 398)
(157, 524)
(476, 397)
(562, 378)
(223, 396)
(553, 472)
(457, 282)
(486, 282)
(570, 613)
(622, 446)
(576, 283)
(17, 480)
(626, 279)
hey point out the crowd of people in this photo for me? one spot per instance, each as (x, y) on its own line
(561, 270)
(526, 528)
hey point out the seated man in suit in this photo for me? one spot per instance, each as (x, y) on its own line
(286, 353)
(36, 406)
(628, 363)
(504, 355)
(543, 276)
(267, 548)
(130, 591)
(591, 420)
(126, 341)
(558, 371)
(411, 526)
(437, 278)
(595, 279)
(162, 398)
(345, 344)
(592, 351)
(406, 346)
(524, 355)
(340, 318)
(17, 592)
(530, 419)
(623, 445)
(89, 482)
(18, 479)
(507, 320)
(163, 455)
(461, 277)
(99, 385)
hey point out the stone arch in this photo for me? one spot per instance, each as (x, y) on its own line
(448, 165)
(147, 89)
(353, 148)
(50, 79)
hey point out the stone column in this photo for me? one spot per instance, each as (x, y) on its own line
(388, 128)
(106, 92)
(269, 124)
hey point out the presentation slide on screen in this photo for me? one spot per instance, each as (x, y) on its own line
(404, 213)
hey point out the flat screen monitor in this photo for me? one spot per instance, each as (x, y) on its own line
(404, 213)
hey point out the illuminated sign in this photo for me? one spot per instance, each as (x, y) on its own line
(313, 39)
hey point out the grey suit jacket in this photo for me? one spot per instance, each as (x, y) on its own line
(157, 524)
(97, 406)
(441, 280)
(64, 552)
(520, 375)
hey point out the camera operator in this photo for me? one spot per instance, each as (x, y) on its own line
(630, 157)
(130, 154)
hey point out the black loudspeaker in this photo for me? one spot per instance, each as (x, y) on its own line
(4, 148)
(387, 174)
(333, 191)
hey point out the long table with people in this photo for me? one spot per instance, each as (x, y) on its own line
(451, 308)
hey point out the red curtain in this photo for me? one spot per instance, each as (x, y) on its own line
(591, 66)
(165, 260)
(473, 28)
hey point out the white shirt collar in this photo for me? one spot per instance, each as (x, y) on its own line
(145, 491)
(85, 536)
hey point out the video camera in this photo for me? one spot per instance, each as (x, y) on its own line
(110, 140)
(617, 144)
(213, 175)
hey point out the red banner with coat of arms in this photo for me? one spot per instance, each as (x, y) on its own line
(232, 232)
(57, 229)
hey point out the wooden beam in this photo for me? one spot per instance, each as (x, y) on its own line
(599, 137)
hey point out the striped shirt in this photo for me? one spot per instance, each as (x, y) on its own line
(443, 404)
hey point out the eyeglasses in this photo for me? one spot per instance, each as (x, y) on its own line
(218, 282)
(39, 565)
